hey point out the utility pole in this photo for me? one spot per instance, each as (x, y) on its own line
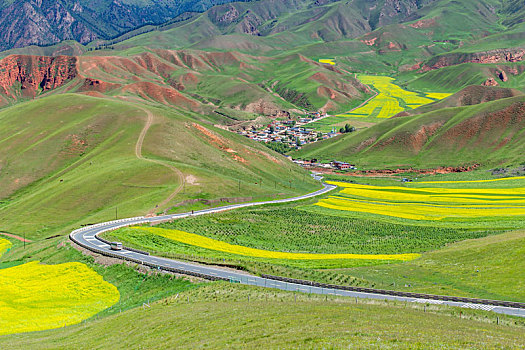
(239, 185)
(116, 213)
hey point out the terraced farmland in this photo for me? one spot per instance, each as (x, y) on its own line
(36, 297)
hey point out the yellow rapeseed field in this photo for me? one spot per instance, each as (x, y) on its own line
(36, 297)
(213, 244)
(4, 245)
(437, 95)
(387, 103)
(327, 61)
(417, 211)
(428, 203)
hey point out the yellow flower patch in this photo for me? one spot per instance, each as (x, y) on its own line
(391, 98)
(428, 203)
(438, 95)
(417, 211)
(4, 245)
(213, 244)
(327, 61)
(36, 297)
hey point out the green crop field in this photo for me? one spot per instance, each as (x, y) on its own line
(472, 207)
(294, 229)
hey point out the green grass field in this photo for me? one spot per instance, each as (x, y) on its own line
(221, 315)
(489, 267)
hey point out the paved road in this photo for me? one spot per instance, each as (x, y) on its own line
(87, 237)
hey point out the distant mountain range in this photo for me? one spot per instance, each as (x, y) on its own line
(45, 22)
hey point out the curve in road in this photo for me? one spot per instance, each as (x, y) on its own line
(87, 237)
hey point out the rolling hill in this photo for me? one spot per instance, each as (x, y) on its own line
(231, 83)
(490, 134)
(71, 159)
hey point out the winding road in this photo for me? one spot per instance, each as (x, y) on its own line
(87, 237)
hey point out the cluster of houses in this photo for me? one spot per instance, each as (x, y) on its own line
(294, 133)
(314, 163)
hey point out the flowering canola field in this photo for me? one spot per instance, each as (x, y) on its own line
(329, 61)
(213, 244)
(391, 99)
(36, 297)
(435, 203)
(4, 245)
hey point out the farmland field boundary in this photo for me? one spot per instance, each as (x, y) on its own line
(87, 236)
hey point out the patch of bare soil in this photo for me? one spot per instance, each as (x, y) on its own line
(192, 180)
(219, 143)
(398, 171)
(21, 239)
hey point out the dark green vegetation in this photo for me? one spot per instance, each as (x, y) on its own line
(293, 229)
(278, 147)
(233, 316)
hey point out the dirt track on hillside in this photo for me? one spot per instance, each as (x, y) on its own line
(138, 153)
(22, 239)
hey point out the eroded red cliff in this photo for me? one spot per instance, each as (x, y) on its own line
(28, 75)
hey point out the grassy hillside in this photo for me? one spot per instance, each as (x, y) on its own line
(222, 315)
(469, 96)
(239, 86)
(488, 267)
(489, 134)
(73, 159)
